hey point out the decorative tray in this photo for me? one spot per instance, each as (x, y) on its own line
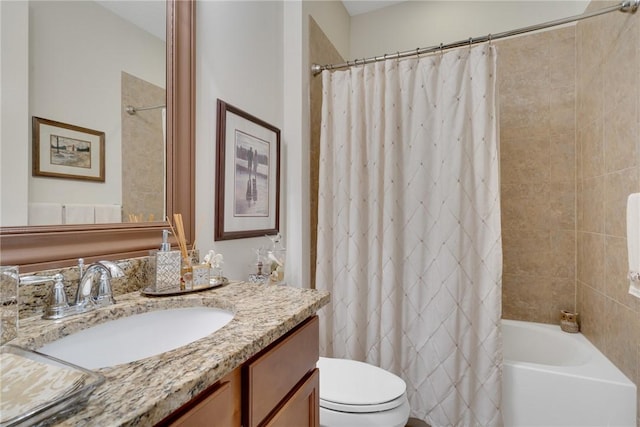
(41, 390)
(213, 283)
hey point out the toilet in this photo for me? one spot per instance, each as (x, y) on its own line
(357, 394)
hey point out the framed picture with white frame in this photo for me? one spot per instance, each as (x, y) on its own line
(62, 150)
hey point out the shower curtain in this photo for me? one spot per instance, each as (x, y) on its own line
(409, 240)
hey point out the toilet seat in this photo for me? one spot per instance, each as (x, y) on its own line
(356, 387)
(359, 409)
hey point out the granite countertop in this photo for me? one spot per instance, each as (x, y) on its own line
(143, 392)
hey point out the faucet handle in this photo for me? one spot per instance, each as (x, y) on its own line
(57, 303)
(105, 295)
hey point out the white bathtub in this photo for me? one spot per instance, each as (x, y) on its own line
(554, 378)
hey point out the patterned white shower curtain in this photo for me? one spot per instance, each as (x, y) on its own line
(409, 240)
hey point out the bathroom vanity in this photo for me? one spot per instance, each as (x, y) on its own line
(259, 369)
(277, 387)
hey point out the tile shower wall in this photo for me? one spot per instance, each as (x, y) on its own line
(536, 77)
(143, 153)
(608, 135)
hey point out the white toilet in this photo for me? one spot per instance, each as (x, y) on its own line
(356, 394)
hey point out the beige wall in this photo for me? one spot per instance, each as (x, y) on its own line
(536, 77)
(608, 95)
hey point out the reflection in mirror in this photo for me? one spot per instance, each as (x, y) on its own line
(88, 61)
(42, 247)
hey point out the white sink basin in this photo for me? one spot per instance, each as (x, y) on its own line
(136, 337)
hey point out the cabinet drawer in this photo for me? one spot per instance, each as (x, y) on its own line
(219, 406)
(302, 408)
(276, 372)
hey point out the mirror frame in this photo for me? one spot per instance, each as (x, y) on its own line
(45, 247)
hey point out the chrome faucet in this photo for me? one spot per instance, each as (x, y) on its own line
(103, 295)
(87, 296)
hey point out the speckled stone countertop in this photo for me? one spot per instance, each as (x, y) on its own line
(144, 392)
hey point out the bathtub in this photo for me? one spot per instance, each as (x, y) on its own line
(554, 378)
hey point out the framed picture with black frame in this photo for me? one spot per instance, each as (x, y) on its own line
(247, 175)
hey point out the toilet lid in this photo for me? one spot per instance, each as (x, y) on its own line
(352, 386)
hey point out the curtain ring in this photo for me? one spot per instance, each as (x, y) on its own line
(418, 52)
(441, 49)
(470, 41)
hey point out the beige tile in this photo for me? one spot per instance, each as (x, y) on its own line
(590, 47)
(525, 160)
(591, 144)
(580, 205)
(526, 252)
(562, 64)
(561, 211)
(621, 342)
(620, 97)
(590, 96)
(525, 206)
(525, 115)
(593, 204)
(592, 313)
(618, 67)
(518, 54)
(591, 260)
(562, 110)
(525, 298)
(562, 157)
(616, 266)
(620, 135)
(562, 262)
(617, 188)
(562, 297)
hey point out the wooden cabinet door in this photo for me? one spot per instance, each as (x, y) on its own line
(276, 372)
(219, 407)
(302, 409)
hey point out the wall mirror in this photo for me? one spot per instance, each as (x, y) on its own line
(40, 247)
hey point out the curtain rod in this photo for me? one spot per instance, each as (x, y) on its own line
(132, 110)
(629, 6)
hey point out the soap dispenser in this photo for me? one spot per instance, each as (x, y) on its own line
(167, 266)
